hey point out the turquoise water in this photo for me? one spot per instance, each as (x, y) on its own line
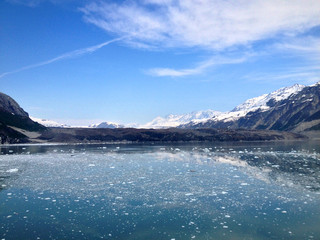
(193, 191)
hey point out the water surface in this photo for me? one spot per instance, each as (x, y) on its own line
(190, 191)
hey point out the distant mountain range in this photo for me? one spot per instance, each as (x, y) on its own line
(173, 120)
(294, 109)
(289, 108)
(198, 119)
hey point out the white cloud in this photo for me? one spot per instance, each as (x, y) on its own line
(72, 54)
(210, 24)
(200, 68)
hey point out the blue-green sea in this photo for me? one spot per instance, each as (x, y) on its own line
(161, 191)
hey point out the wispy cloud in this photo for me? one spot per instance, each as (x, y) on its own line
(72, 54)
(308, 47)
(306, 70)
(210, 24)
(200, 68)
(304, 75)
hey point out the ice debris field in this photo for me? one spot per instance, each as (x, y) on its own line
(160, 192)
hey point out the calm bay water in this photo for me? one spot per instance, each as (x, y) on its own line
(191, 191)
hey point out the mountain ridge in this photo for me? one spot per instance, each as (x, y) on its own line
(297, 111)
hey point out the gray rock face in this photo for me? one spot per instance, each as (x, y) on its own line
(7, 104)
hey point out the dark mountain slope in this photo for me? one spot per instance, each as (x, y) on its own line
(12, 115)
(7, 104)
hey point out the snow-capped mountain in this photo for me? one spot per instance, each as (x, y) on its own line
(49, 123)
(261, 101)
(173, 120)
(106, 125)
(295, 108)
(199, 117)
(258, 103)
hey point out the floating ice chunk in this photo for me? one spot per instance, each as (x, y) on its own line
(224, 192)
(227, 216)
(13, 170)
(189, 194)
(206, 150)
(91, 165)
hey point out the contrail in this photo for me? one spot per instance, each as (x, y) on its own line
(71, 54)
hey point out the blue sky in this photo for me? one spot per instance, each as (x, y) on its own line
(83, 62)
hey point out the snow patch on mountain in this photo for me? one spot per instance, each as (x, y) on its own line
(48, 123)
